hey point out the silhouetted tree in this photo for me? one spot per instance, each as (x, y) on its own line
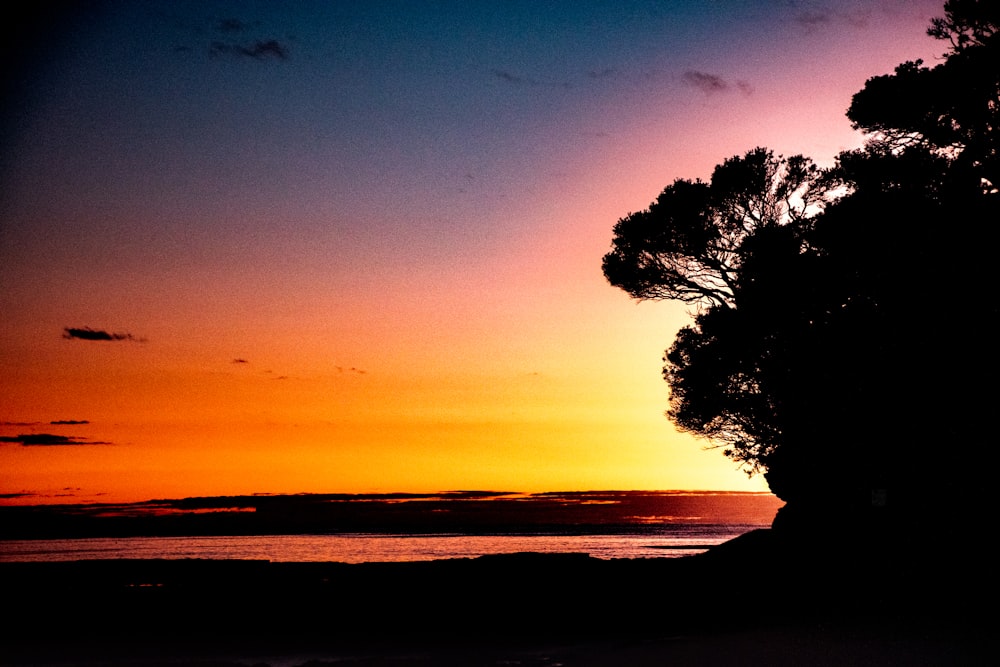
(843, 345)
(687, 245)
(952, 108)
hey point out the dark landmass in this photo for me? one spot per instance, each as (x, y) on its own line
(757, 600)
(482, 512)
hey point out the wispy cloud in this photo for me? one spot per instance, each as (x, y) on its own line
(69, 422)
(814, 18)
(231, 25)
(48, 440)
(87, 333)
(258, 50)
(605, 73)
(706, 83)
(519, 80)
(713, 84)
(352, 369)
(509, 77)
(822, 17)
(232, 37)
(240, 361)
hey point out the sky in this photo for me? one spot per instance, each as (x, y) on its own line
(356, 246)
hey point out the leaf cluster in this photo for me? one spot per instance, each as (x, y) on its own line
(688, 245)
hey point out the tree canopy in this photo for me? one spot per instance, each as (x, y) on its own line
(845, 322)
(688, 244)
(953, 107)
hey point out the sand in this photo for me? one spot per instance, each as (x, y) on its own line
(740, 605)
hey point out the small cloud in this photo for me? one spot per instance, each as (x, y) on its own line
(69, 422)
(352, 369)
(712, 84)
(48, 440)
(706, 83)
(240, 361)
(271, 48)
(86, 333)
(822, 18)
(258, 50)
(813, 19)
(518, 80)
(504, 75)
(12, 496)
(19, 423)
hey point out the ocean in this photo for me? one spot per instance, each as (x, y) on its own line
(365, 548)
(387, 528)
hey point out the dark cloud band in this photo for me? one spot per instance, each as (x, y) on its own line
(48, 440)
(259, 50)
(86, 333)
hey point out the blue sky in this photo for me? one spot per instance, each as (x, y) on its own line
(422, 191)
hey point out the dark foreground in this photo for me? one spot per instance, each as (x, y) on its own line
(744, 603)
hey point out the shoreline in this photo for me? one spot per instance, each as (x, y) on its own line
(571, 605)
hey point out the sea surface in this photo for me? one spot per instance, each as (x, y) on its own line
(360, 548)
(385, 528)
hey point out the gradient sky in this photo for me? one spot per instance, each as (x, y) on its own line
(356, 246)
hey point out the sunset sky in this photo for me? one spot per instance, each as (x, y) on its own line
(356, 246)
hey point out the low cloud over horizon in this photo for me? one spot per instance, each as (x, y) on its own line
(48, 440)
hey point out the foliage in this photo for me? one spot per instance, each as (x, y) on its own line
(687, 245)
(952, 108)
(967, 23)
(835, 337)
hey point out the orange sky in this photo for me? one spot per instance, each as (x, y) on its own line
(358, 249)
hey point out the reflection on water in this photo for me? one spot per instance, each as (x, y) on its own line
(361, 548)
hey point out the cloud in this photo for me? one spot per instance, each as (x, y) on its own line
(813, 19)
(233, 37)
(86, 333)
(12, 496)
(706, 83)
(602, 73)
(822, 17)
(518, 80)
(68, 422)
(271, 47)
(504, 75)
(19, 423)
(352, 369)
(259, 50)
(712, 84)
(48, 440)
(240, 361)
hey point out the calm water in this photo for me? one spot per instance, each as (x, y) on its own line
(660, 542)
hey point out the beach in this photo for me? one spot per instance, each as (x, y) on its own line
(741, 603)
